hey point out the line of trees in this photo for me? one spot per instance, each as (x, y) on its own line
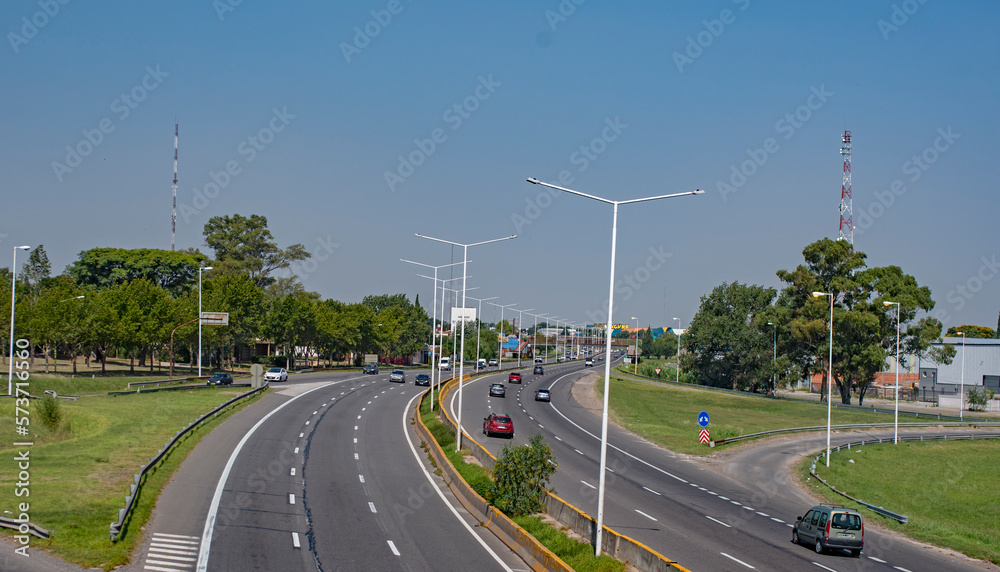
(731, 341)
(130, 301)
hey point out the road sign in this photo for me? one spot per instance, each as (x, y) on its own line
(703, 436)
(215, 318)
(657, 370)
(703, 419)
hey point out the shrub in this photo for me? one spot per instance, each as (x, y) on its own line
(50, 412)
(977, 398)
(520, 476)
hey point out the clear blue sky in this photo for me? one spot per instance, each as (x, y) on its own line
(534, 81)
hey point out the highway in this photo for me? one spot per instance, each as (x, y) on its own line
(709, 514)
(323, 474)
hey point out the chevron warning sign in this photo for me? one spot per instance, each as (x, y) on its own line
(703, 436)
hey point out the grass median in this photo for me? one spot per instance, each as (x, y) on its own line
(668, 415)
(947, 489)
(81, 470)
(579, 555)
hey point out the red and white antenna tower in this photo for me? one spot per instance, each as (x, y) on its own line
(846, 202)
(173, 213)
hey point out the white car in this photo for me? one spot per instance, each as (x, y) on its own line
(276, 374)
(588, 363)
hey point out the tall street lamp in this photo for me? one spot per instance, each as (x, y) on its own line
(200, 317)
(500, 344)
(774, 355)
(461, 362)
(635, 355)
(607, 349)
(479, 322)
(534, 338)
(433, 317)
(829, 381)
(679, 331)
(13, 287)
(519, 327)
(895, 431)
(441, 337)
(961, 403)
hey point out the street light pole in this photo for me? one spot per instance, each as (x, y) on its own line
(635, 355)
(500, 340)
(443, 290)
(829, 381)
(200, 270)
(13, 287)
(895, 433)
(961, 403)
(479, 322)
(774, 356)
(519, 312)
(461, 355)
(678, 349)
(607, 348)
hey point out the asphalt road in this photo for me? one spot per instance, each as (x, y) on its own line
(707, 514)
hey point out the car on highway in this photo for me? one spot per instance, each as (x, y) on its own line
(499, 425)
(480, 364)
(371, 368)
(514, 377)
(498, 390)
(538, 360)
(828, 526)
(422, 379)
(220, 378)
(276, 374)
(539, 370)
(543, 395)
(445, 364)
(397, 375)
(493, 362)
(589, 362)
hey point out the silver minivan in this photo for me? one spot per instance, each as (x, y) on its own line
(830, 526)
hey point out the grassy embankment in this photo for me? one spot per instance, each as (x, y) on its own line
(579, 555)
(81, 470)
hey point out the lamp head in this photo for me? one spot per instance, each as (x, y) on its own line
(818, 294)
(699, 192)
(22, 247)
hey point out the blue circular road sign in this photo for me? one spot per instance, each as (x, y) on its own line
(703, 419)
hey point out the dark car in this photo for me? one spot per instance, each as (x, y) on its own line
(220, 378)
(543, 395)
(397, 375)
(539, 370)
(422, 379)
(830, 526)
(498, 390)
(371, 368)
(498, 424)
(514, 377)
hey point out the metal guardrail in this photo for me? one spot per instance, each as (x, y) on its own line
(123, 513)
(24, 527)
(852, 426)
(874, 508)
(175, 388)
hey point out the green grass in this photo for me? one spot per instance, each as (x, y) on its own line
(81, 471)
(579, 555)
(947, 489)
(80, 385)
(667, 415)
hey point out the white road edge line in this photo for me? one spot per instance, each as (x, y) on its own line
(718, 521)
(737, 560)
(430, 479)
(213, 509)
(879, 560)
(824, 567)
(652, 491)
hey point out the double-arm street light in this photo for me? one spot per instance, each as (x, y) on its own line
(500, 343)
(519, 328)
(461, 362)
(534, 337)
(829, 381)
(607, 349)
(200, 270)
(13, 287)
(895, 423)
(479, 322)
(441, 337)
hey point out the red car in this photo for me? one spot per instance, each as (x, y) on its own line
(514, 377)
(498, 424)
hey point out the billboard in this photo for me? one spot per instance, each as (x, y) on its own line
(463, 314)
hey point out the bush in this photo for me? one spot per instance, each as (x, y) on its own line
(977, 398)
(50, 412)
(520, 476)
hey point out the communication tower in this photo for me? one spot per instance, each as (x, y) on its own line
(846, 202)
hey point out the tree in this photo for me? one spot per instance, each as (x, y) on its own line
(520, 475)
(36, 271)
(245, 244)
(646, 341)
(139, 316)
(174, 271)
(973, 332)
(289, 322)
(728, 347)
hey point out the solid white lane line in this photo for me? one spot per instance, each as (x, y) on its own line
(824, 567)
(291, 498)
(652, 491)
(646, 515)
(589, 485)
(371, 505)
(879, 560)
(295, 540)
(901, 568)
(718, 521)
(737, 560)
(393, 548)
